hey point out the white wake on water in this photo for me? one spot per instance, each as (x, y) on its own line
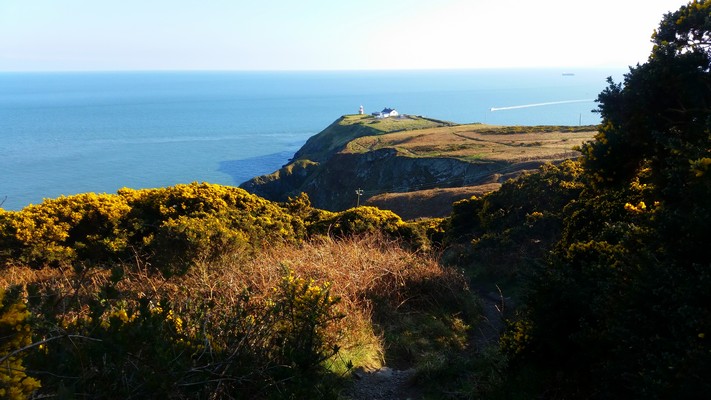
(550, 103)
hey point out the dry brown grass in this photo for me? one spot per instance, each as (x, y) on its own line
(481, 142)
(15, 275)
(432, 203)
(364, 272)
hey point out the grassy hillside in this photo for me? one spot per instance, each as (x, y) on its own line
(336, 136)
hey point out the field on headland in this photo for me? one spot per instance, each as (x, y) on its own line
(413, 138)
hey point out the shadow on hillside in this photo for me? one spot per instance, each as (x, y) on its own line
(248, 168)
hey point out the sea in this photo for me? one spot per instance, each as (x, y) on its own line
(65, 133)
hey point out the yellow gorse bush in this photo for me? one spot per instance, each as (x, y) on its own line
(15, 334)
(62, 229)
(172, 228)
(188, 221)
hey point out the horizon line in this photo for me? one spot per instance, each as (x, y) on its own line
(563, 69)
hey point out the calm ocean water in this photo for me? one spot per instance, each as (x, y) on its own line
(68, 133)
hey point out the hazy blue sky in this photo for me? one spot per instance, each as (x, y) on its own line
(324, 34)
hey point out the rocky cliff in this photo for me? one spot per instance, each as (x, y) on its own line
(402, 155)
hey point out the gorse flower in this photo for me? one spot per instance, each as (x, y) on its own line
(639, 208)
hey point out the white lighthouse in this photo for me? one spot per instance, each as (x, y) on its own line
(360, 110)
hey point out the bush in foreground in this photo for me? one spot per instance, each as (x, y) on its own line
(168, 228)
(284, 324)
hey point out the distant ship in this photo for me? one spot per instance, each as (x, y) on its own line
(568, 74)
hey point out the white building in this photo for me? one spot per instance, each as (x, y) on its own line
(387, 112)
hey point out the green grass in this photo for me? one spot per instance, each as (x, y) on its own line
(402, 123)
(340, 134)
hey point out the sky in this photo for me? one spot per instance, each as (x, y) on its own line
(112, 35)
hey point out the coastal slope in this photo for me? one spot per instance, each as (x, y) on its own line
(413, 165)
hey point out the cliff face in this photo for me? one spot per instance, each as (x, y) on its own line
(332, 184)
(282, 184)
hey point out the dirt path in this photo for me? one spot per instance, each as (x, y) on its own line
(383, 384)
(492, 320)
